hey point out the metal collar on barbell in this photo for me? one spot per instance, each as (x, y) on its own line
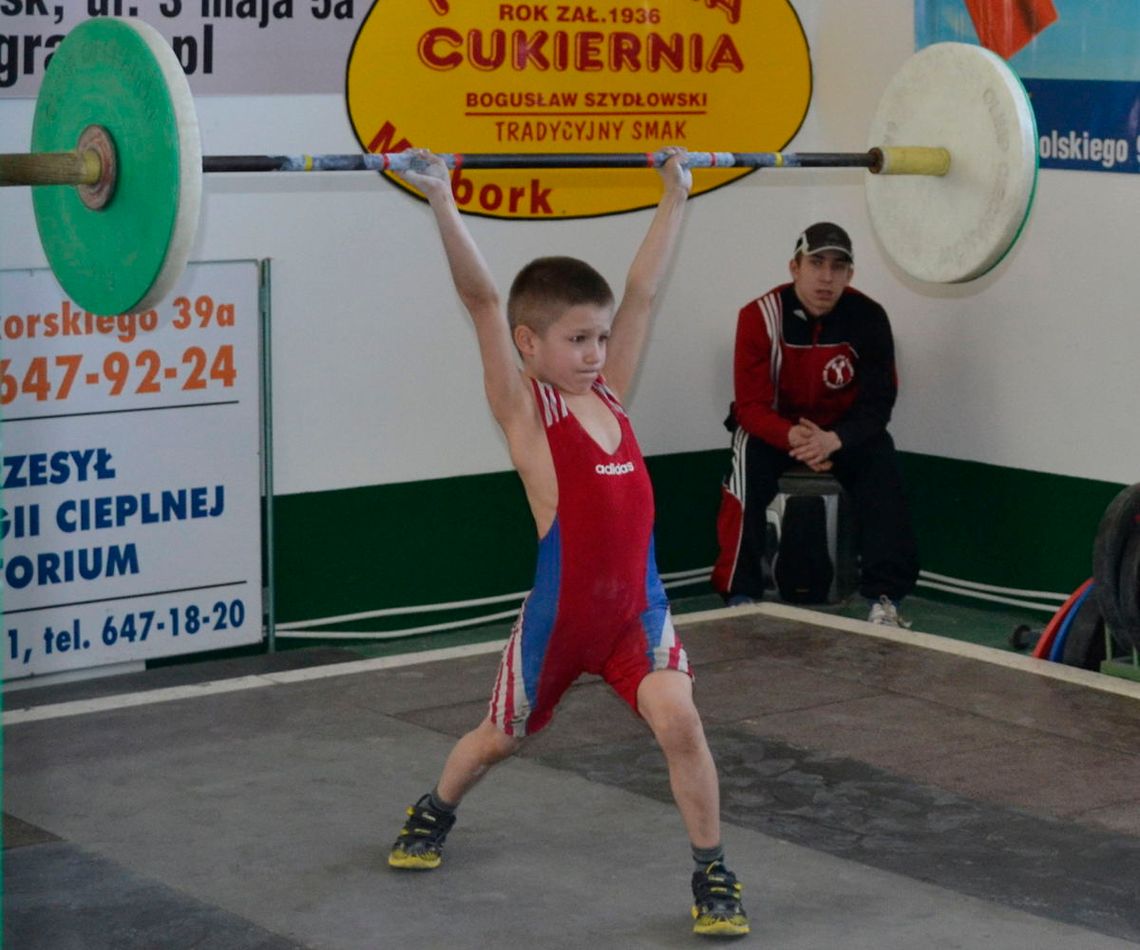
(953, 146)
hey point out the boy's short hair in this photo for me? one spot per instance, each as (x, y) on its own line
(543, 290)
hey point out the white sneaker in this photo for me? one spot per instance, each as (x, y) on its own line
(885, 613)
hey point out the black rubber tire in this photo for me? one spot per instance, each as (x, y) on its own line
(1128, 592)
(1084, 645)
(1116, 526)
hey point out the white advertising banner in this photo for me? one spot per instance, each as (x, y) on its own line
(225, 47)
(131, 477)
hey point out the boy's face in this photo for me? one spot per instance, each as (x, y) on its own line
(572, 351)
(820, 280)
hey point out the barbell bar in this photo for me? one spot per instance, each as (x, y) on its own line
(85, 166)
(894, 161)
(115, 118)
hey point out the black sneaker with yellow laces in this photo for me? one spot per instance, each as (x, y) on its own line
(420, 845)
(717, 911)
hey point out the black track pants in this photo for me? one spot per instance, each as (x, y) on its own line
(869, 473)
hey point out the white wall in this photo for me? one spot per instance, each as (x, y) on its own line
(376, 377)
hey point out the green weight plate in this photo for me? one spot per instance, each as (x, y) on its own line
(123, 75)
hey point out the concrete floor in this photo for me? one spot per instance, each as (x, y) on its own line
(880, 790)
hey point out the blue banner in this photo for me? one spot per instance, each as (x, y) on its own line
(1086, 125)
(1079, 61)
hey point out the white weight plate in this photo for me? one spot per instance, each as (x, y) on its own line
(956, 227)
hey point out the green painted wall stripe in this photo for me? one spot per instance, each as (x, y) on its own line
(361, 549)
(1005, 526)
(453, 539)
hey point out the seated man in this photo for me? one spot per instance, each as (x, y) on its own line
(814, 383)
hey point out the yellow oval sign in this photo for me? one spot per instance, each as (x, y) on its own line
(482, 76)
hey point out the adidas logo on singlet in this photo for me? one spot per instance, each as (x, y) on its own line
(614, 468)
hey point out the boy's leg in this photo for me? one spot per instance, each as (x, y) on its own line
(420, 844)
(665, 701)
(470, 759)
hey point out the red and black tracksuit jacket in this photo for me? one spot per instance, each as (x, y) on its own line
(837, 370)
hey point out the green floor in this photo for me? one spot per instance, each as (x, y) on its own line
(990, 626)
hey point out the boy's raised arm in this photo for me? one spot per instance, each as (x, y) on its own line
(646, 274)
(506, 391)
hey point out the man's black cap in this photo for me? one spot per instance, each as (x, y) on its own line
(824, 236)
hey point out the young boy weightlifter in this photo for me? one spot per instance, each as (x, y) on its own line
(597, 605)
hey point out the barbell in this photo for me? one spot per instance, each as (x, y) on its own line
(953, 163)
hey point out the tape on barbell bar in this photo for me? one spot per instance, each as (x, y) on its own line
(911, 160)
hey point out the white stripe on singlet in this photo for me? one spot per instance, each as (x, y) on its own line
(509, 682)
(609, 396)
(554, 406)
